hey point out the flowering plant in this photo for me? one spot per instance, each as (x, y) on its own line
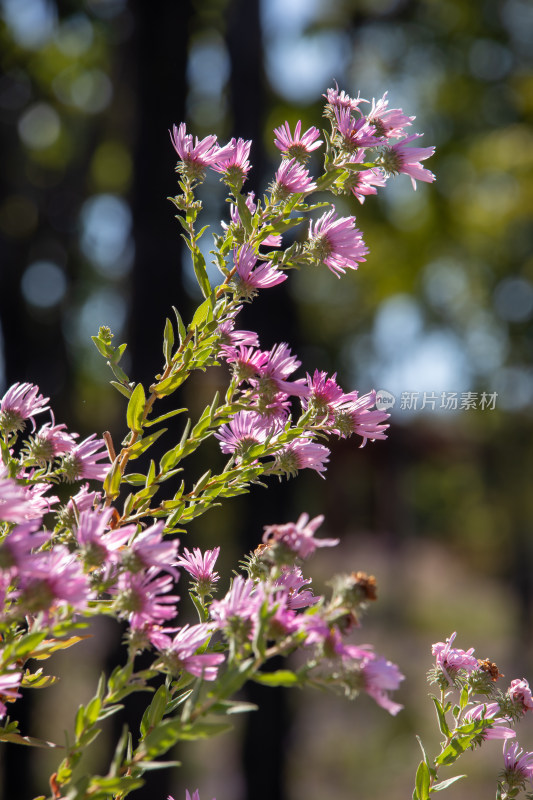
(112, 548)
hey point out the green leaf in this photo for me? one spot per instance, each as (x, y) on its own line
(113, 479)
(198, 262)
(181, 327)
(135, 412)
(28, 740)
(437, 787)
(154, 713)
(422, 781)
(443, 725)
(121, 388)
(163, 417)
(202, 314)
(282, 677)
(168, 341)
(170, 384)
(139, 447)
(167, 733)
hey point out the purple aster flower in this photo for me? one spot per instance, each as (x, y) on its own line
(448, 658)
(9, 683)
(51, 580)
(17, 548)
(246, 429)
(21, 401)
(298, 146)
(298, 537)
(99, 544)
(238, 610)
(203, 153)
(380, 678)
(144, 598)
(82, 461)
(518, 766)
(355, 133)
(291, 581)
(229, 337)
(520, 693)
(249, 278)
(291, 178)
(275, 370)
(495, 728)
(150, 549)
(14, 500)
(342, 100)
(201, 566)
(389, 122)
(356, 416)
(247, 361)
(402, 159)
(324, 394)
(302, 453)
(337, 243)
(364, 182)
(234, 166)
(183, 649)
(51, 441)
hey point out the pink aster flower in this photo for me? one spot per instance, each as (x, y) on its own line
(357, 416)
(495, 728)
(400, 158)
(51, 441)
(201, 566)
(203, 153)
(298, 537)
(380, 678)
(291, 581)
(364, 182)
(355, 133)
(342, 100)
(389, 122)
(518, 766)
(249, 278)
(246, 361)
(99, 544)
(450, 658)
(150, 549)
(238, 610)
(183, 649)
(17, 548)
(298, 146)
(52, 580)
(246, 429)
(275, 370)
(144, 598)
(324, 393)
(235, 165)
(292, 178)
(9, 683)
(520, 693)
(337, 243)
(302, 453)
(229, 337)
(14, 500)
(21, 402)
(82, 461)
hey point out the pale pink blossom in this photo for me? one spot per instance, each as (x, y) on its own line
(51, 580)
(402, 159)
(302, 453)
(51, 441)
(343, 100)
(518, 764)
(200, 154)
(292, 178)
(364, 182)
(389, 122)
(451, 658)
(9, 683)
(249, 277)
(150, 548)
(245, 429)
(359, 416)
(144, 598)
(246, 361)
(336, 242)
(496, 729)
(355, 133)
(297, 146)
(520, 692)
(235, 165)
(14, 500)
(291, 581)
(82, 461)
(380, 678)
(21, 402)
(275, 370)
(298, 537)
(200, 565)
(99, 544)
(183, 649)
(240, 605)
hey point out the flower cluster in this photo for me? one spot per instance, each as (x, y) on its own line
(111, 547)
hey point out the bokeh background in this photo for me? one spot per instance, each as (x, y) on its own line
(442, 512)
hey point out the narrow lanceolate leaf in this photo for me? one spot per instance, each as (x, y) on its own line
(443, 725)
(135, 412)
(113, 479)
(139, 447)
(437, 787)
(198, 262)
(422, 781)
(282, 677)
(168, 341)
(170, 384)
(202, 313)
